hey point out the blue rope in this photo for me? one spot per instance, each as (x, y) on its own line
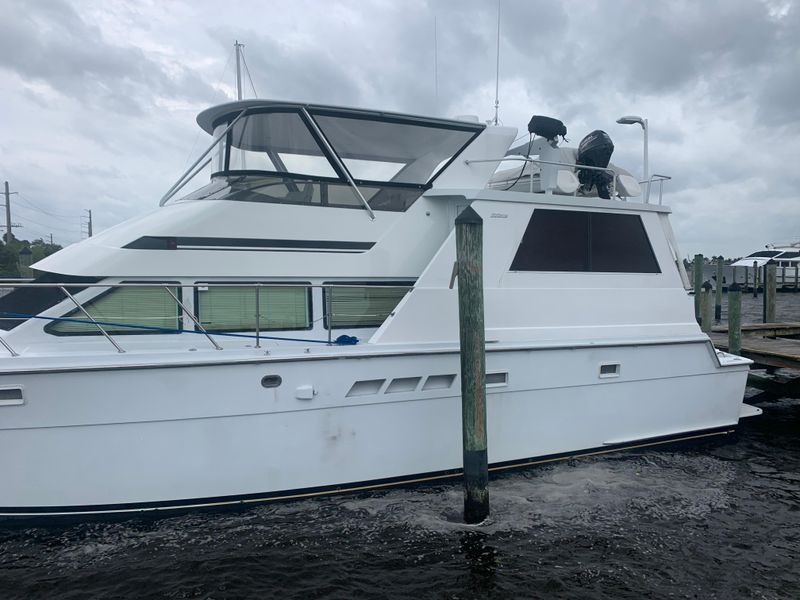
(342, 340)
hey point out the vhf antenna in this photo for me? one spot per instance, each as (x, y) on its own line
(497, 72)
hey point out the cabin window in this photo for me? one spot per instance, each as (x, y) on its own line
(568, 240)
(363, 306)
(234, 308)
(122, 311)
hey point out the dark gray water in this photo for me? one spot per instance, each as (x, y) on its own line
(714, 521)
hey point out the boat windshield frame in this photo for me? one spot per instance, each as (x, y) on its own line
(473, 130)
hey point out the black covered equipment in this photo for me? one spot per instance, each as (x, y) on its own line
(595, 151)
(547, 127)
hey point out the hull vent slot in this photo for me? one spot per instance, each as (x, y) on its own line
(403, 384)
(11, 396)
(367, 387)
(438, 382)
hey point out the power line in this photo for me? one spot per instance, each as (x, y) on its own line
(47, 212)
(28, 219)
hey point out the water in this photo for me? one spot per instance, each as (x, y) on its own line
(719, 520)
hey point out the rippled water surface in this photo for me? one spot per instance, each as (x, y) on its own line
(713, 521)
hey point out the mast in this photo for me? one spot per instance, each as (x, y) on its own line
(497, 76)
(238, 48)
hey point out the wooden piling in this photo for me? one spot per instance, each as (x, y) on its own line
(697, 274)
(733, 275)
(796, 276)
(734, 319)
(770, 289)
(755, 279)
(746, 277)
(718, 292)
(706, 310)
(469, 257)
(783, 277)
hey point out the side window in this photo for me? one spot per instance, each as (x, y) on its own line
(582, 241)
(234, 308)
(124, 310)
(366, 306)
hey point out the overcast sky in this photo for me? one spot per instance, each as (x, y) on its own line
(98, 97)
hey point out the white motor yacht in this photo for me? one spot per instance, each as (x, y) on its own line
(290, 329)
(786, 257)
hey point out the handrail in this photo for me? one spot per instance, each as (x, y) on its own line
(339, 162)
(92, 319)
(660, 179)
(551, 162)
(168, 288)
(182, 180)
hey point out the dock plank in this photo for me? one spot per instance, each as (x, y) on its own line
(774, 352)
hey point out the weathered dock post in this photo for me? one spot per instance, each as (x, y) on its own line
(796, 276)
(733, 275)
(746, 278)
(770, 289)
(706, 310)
(734, 318)
(469, 257)
(755, 278)
(697, 273)
(718, 292)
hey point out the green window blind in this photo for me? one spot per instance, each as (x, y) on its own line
(147, 306)
(361, 306)
(234, 308)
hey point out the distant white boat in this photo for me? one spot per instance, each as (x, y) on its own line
(203, 355)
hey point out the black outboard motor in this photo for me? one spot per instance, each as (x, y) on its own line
(595, 151)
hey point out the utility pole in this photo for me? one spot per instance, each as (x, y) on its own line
(51, 239)
(8, 215)
(89, 223)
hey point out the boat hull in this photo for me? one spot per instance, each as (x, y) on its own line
(125, 440)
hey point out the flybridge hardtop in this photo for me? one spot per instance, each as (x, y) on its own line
(306, 142)
(261, 338)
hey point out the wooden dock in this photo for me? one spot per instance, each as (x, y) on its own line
(769, 345)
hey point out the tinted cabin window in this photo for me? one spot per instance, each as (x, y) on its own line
(125, 310)
(566, 240)
(361, 306)
(234, 308)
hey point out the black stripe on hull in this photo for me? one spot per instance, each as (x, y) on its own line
(11, 516)
(150, 242)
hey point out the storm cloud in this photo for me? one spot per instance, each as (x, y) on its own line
(99, 97)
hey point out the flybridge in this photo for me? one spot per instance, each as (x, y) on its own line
(308, 154)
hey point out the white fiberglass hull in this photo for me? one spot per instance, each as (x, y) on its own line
(133, 439)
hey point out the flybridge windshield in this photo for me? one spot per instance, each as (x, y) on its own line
(373, 148)
(763, 254)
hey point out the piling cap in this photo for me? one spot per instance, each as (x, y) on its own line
(706, 286)
(469, 216)
(734, 287)
(771, 262)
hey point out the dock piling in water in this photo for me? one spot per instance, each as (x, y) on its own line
(706, 310)
(770, 289)
(755, 279)
(469, 258)
(734, 319)
(697, 273)
(718, 292)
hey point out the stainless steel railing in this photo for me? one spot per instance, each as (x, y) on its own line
(168, 288)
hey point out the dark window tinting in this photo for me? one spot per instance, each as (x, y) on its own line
(763, 254)
(567, 240)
